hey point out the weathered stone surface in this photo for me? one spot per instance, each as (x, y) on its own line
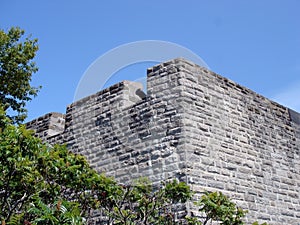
(196, 126)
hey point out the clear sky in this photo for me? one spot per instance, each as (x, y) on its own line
(255, 43)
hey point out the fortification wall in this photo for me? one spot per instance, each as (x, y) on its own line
(243, 144)
(193, 125)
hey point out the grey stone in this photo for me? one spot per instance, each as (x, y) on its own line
(193, 125)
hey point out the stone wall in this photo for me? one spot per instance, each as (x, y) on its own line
(196, 126)
(48, 125)
(243, 144)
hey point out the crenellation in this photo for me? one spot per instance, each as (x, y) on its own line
(50, 124)
(193, 125)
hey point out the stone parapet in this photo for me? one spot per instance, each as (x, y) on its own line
(193, 125)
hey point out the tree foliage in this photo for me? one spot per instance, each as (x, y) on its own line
(39, 179)
(218, 207)
(143, 203)
(43, 184)
(16, 69)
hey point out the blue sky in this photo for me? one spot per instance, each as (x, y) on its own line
(255, 43)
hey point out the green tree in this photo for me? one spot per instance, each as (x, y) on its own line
(44, 184)
(143, 203)
(218, 207)
(16, 69)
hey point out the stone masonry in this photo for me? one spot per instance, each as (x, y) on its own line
(193, 125)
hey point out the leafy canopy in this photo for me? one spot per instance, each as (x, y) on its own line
(16, 69)
(43, 184)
